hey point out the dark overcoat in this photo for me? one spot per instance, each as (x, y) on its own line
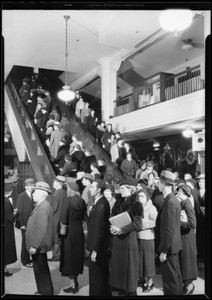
(98, 240)
(168, 225)
(125, 256)
(58, 198)
(10, 255)
(72, 244)
(188, 254)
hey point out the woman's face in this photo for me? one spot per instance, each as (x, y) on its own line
(180, 194)
(108, 194)
(151, 177)
(202, 183)
(142, 197)
(125, 192)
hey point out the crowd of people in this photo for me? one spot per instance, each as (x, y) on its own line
(166, 211)
(120, 259)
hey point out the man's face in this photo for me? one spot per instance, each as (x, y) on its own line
(85, 181)
(38, 195)
(94, 189)
(160, 185)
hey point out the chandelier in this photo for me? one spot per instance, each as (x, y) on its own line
(66, 94)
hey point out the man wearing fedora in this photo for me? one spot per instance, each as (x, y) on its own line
(40, 239)
(58, 197)
(98, 241)
(25, 206)
(168, 227)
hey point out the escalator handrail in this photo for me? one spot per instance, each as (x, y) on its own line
(43, 153)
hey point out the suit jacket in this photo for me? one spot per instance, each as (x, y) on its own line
(25, 206)
(168, 225)
(39, 232)
(98, 226)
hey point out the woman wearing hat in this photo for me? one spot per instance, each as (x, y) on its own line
(72, 237)
(187, 256)
(125, 256)
(146, 243)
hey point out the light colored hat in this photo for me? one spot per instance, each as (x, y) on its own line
(29, 181)
(41, 185)
(167, 177)
(89, 176)
(60, 178)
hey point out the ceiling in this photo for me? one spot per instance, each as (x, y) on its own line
(36, 38)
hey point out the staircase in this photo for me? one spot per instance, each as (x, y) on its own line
(29, 141)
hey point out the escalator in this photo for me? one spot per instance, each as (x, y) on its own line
(26, 141)
(34, 149)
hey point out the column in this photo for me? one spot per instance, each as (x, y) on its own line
(108, 72)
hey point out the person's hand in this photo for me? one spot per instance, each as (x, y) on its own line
(93, 256)
(32, 250)
(162, 257)
(115, 230)
(23, 227)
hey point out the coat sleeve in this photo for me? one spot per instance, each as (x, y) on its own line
(190, 213)
(135, 225)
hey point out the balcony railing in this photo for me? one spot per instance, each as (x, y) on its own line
(183, 83)
(174, 86)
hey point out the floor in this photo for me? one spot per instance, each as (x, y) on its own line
(22, 281)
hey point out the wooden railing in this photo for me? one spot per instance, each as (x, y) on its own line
(123, 105)
(174, 86)
(183, 83)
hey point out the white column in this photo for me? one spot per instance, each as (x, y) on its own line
(108, 72)
(207, 23)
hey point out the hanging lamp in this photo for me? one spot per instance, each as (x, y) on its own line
(176, 19)
(66, 94)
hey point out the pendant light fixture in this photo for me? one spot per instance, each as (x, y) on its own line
(176, 19)
(66, 94)
(188, 132)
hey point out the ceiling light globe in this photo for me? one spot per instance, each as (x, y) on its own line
(175, 19)
(188, 133)
(66, 94)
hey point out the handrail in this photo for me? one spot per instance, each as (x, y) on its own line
(37, 164)
(182, 73)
